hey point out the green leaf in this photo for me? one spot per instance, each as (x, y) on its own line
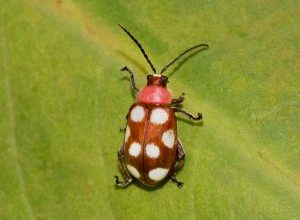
(63, 100)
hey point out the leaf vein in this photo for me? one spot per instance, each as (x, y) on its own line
(12, 122)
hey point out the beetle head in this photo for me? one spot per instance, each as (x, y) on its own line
(157, 80)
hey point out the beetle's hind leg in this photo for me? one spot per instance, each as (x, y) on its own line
(179, 184)
(180, 156)
(179, 163)
(134, 89)
(123, 169)
(122, 183)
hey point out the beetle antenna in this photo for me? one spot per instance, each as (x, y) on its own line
(205, 46)
(140, 46)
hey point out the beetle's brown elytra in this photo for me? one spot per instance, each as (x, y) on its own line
(151, 150)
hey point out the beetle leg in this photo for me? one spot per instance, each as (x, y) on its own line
(122, 130)
(135, 90)
(180, 156)
(196, 118)
(124, 171)
(179, 184)
(179, 163)
(179, 100)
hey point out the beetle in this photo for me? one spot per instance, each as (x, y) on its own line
(151, 150)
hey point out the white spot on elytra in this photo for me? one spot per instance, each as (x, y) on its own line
(159, 116)
(152, 150)
(158, 174)
(134, 172)
(127, 133)
(135, 149)
(137, 113)
(168, 138)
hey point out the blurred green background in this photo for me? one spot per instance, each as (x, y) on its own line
(63, 100)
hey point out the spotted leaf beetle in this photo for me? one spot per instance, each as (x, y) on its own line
(151, 150)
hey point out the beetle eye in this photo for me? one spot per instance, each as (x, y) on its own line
(164, 79)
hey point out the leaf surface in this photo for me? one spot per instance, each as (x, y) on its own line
(63, 100)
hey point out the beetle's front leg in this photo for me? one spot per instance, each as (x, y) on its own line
(195, 118)
(135, 90)
(125, 173)
(178, 101)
